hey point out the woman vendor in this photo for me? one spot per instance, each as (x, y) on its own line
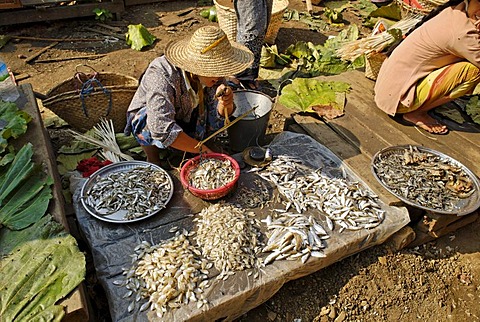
(181, 96)
(437, 62)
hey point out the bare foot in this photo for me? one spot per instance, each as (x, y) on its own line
(426, 122)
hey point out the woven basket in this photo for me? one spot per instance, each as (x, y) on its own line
(110, 101)
(373, 62)
(227, 19)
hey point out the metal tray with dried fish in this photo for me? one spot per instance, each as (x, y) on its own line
(427, 179)
(127, 191)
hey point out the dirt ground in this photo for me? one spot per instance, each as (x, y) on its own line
(438, 281)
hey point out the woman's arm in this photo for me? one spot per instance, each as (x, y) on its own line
(186, 143)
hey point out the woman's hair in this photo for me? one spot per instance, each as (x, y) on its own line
(432, 14)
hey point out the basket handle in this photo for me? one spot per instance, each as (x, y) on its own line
(88, 88)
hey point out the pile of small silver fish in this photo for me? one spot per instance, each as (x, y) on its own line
(138, 191)
(294, 236)
(424, 178)
(258, 196)
(229, 237)
(344, 203)
(167, 275)
(211, 173)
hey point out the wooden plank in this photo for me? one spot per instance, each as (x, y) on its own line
(43, 150)
(137, 2)
(372, 129)
(76, 303)
(25, 15)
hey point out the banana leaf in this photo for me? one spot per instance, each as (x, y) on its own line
(36, 276)
(20, 169)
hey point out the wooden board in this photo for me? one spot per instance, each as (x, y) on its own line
(367, 129)
(76, 304)
(28, 15)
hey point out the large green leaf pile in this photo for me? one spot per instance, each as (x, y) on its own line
(25, 191)
(38, 274)
(314, 60)
(304, 94)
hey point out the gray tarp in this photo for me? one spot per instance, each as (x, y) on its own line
(112, 244)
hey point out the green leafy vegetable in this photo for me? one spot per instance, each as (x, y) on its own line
(20, 169)
(36, 276)
(24, 192)
(15, 123)
(333, 15)
(473, 108)
(44, 228)
(315, 60)
(102, 14)
(138, 37)
(305, 94)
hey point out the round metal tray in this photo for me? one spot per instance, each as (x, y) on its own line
(123, 166)
(464, 207)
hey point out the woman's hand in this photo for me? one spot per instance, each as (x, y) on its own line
(224, 94)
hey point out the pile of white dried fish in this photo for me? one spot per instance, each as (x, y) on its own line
(293, 236)
(168, 275)
(345, 203)
(424, 178)
(211, 173)
(229, 237)
(138, 191)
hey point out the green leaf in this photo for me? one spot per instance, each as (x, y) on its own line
(391, 12)
(138, 37)
(16, 123)
(43, 228)
(305, 93)
(37, 275)
(20, 169)
(473, 108)
(28, 204)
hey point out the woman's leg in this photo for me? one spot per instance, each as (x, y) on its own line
(440, 87)
(153, 154)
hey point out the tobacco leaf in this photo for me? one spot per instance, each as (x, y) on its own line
(36, 276)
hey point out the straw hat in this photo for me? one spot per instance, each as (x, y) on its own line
(209, 53)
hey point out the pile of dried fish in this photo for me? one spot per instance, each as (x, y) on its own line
(424, 178)
(229, 237)
(345, 203)
(211, 173)
(138, 191)
(168, 275)
(293, 236)
(254, 197)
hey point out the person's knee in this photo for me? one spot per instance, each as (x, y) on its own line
(472, 73)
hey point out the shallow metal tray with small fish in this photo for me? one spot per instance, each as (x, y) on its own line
(120, 216)
(460, 206)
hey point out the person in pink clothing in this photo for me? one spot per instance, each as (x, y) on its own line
(436, 62)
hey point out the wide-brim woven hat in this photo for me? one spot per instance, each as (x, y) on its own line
(209, 53)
